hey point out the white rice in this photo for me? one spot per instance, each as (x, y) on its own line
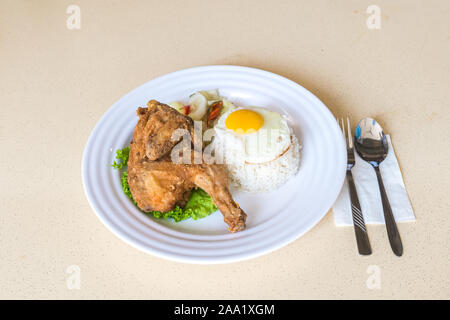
(262, 177)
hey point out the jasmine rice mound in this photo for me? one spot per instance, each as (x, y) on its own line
(261, 177)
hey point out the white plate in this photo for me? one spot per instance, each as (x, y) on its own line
(274, 219)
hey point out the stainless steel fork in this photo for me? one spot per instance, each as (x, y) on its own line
(362, 238)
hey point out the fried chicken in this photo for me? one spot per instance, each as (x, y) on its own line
(157, 183)
(156, 126)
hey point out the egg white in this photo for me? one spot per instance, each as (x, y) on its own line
(266, 144)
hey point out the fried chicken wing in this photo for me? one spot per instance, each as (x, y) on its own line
(157, 183)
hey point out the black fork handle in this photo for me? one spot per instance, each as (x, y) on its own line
(362, 238)
(391, 226)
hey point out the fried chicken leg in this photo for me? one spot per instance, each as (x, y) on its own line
(157, 183)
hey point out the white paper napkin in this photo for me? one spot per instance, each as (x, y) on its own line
(369, 193)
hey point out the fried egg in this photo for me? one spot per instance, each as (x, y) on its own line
(252, 135)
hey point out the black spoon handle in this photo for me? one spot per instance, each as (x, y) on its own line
(391, 226)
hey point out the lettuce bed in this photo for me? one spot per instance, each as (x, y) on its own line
(199, 205)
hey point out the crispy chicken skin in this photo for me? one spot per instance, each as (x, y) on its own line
(161, 122)
(157, 183)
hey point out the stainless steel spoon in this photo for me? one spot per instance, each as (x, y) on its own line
(371, 145)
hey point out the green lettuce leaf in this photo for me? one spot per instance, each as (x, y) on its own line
(199, 205)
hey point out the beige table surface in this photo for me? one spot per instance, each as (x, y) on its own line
(55, 84)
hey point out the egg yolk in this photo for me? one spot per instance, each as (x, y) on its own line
(244, 121)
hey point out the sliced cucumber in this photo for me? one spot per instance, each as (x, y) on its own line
(211, 94)
(177, 106)
(199, 106)
(227, 106)
(211, 102)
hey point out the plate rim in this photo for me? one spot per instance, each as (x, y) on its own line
(225, 259)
